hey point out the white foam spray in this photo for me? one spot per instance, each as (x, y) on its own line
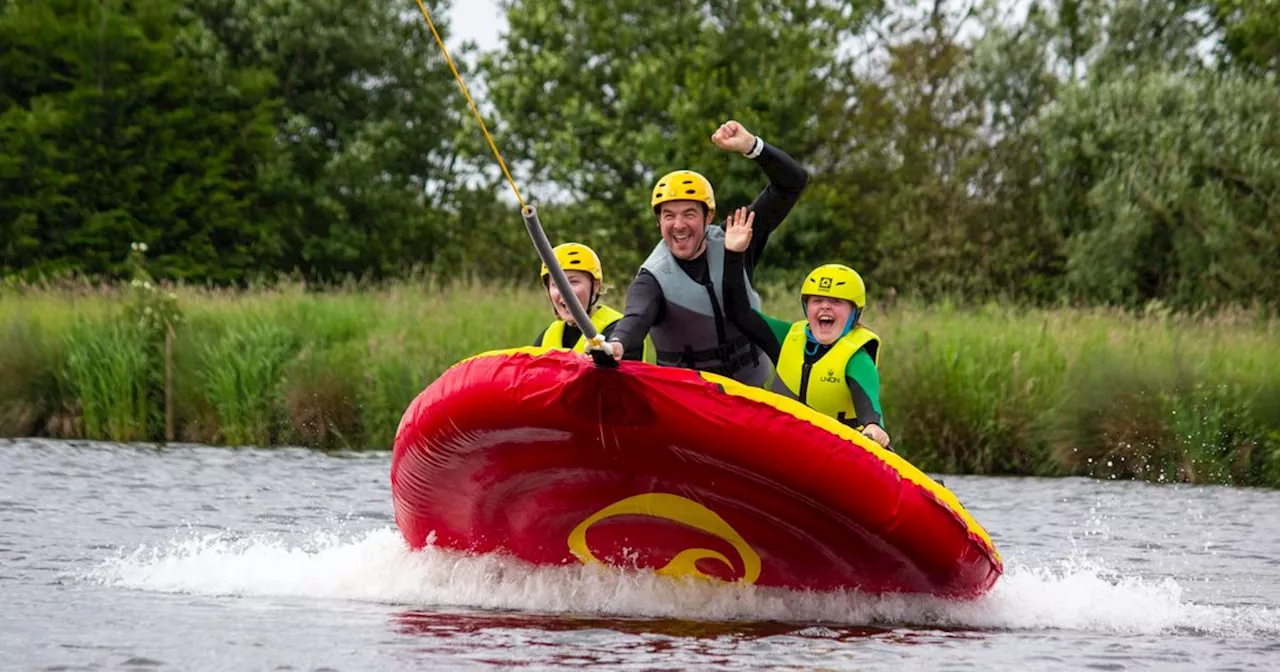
(377, 566)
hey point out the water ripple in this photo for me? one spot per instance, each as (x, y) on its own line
(193, 557)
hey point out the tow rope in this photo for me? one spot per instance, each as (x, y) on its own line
(595, 341)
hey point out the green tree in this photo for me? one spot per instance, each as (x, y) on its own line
(116, 129)
(929, 215)
(938, 163)
(1169, 187)
(1143, 35)
(597, 98)
(369, 153)
(1015, 70)
(1251, 32)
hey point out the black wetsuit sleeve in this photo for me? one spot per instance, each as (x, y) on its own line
(864, 388)
(786, 180)
(866, 410)
(737, 307)
(644, 309)
(629, 352)
(538, 341)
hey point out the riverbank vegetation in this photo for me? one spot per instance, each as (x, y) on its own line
(987, 389)
(1081, 198)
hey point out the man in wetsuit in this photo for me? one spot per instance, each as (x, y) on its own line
(677, 298)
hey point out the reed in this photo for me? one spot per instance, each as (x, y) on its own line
(990, 389)
(108, 373)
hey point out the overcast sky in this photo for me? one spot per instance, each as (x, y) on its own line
(478, 20)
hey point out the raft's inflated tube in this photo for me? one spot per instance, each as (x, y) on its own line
(541, 454)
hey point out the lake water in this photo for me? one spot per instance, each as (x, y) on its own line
(199, 558)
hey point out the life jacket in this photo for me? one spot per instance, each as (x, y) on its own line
(694, 334)
(822, 385)
(603, 317)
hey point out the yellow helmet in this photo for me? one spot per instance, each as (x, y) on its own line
(577, 257)
(683, 185)
(836, 281)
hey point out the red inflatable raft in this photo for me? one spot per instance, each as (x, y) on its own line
(543, 455)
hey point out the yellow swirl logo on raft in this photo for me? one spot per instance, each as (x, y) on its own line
(681, 510)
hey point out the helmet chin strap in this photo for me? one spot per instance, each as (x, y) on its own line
(702, 240)
(705, 225)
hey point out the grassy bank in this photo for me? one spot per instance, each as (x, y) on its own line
(978, 390)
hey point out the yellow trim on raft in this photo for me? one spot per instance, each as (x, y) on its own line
(800, 411)
(897, 462)
(534, 350)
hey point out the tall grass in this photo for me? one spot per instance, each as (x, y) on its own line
(241, 374)
(29, 378)
(972, 391)
(109, 370)
(986, 389)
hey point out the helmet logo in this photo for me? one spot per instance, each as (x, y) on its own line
(824, 283)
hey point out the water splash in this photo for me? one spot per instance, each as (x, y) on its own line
(377, 566)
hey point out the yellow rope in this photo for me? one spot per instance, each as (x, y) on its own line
(474, 110)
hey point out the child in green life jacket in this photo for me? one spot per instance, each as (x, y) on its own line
(828, 360)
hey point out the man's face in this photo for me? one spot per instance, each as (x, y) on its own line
(684, 227)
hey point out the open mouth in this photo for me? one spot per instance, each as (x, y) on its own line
(826, 321)
(682, 238)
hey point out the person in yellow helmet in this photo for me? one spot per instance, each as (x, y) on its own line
(586, 276)
(828, 361)
(677, 296)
